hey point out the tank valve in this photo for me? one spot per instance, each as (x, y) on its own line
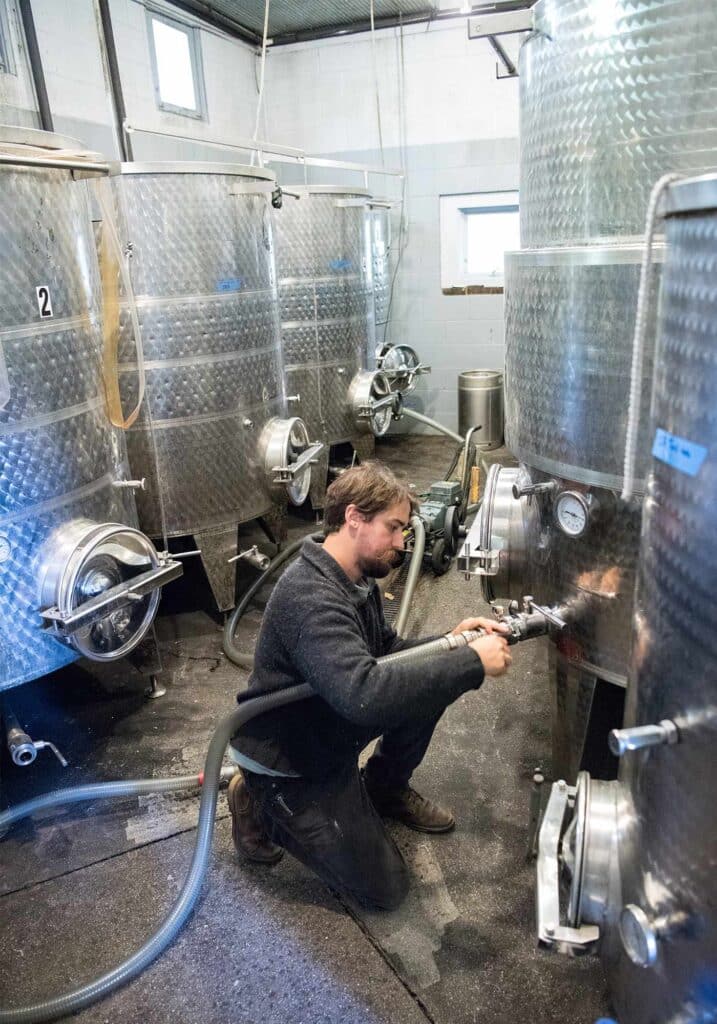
(547, 487)
(23, 749)
(621, 741)
(254, 557)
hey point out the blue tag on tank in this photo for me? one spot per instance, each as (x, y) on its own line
(230, 284)
(343, 264)
(681, 454)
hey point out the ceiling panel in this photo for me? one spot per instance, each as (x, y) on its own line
(292, 17)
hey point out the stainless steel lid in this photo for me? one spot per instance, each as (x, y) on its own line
(476, 380)
(15, 135)
(692, 195)
(192, 167)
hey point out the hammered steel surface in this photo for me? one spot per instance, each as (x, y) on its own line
(569, 327)
(378, 229)
(202, 274)
(673, 667)
(324, 301)
(612, 96)
(58, 453)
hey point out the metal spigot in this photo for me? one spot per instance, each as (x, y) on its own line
(621, 741)
(135, 485)
(547, 487)
(23, 749)
(254, 557)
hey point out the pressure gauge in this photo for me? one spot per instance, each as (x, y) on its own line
(572, 512)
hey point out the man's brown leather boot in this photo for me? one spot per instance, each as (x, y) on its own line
(248, 834)
(411, 809)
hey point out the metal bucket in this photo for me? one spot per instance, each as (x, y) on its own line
(480, 403)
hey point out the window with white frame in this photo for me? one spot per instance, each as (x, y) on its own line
(176, 65)
(7, 66)
(477, 229)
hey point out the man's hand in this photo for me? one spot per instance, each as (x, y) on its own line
(487, 625)
(493, 652)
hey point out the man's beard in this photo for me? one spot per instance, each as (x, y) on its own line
(377, 568)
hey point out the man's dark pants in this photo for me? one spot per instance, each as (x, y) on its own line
(332, 827)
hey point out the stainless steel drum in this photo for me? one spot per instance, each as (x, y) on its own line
(480, 403)
(640, 852)
(76, 576)
(211, 437)
(612, 96)
(325, 304)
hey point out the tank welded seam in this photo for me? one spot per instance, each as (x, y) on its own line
(68, 498)
(209, 417)
(331, 279)
(602, 673)
(318, 365)
(206, 359)
(292, 325)
(36, 422)
(184, 300)
(69, 323)
(577, 473)
(598, 255)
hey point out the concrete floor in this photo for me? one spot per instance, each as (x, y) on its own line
(82, 888)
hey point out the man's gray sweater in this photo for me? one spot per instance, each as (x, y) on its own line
(319, 629)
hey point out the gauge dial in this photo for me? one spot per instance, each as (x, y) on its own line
(571, 512)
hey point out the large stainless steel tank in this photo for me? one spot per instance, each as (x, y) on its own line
(76, 576)
(212, 438)
(325, 302)
(612, 96)
(640, 853)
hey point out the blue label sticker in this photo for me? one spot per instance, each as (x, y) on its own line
(342, 264)
(683, 455)
(230, 284)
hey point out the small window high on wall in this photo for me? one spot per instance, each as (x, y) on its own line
(477, 229)
(176, 65)
(7, 66)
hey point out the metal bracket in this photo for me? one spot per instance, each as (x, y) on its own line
(110, 600)
(551, 934)
(285, 474)
(500, 23)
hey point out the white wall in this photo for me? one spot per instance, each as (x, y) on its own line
(459, 134)
(78, 85)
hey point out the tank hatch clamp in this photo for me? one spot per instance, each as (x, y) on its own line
(373, 402)
(99, 586)
(401, 365)
(111, 600)
(289, 457)
(552, 935)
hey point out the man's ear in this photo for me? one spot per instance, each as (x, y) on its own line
(353, 517)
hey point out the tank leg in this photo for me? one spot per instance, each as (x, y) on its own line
(155, 688)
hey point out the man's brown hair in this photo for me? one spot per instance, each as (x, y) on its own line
(372, 487)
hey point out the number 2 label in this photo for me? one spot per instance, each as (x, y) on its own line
(44, 301)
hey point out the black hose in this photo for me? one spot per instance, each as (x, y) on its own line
(228, 646)
(71, 1002)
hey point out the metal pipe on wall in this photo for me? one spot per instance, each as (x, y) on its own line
(109, 53)
(38, 75)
